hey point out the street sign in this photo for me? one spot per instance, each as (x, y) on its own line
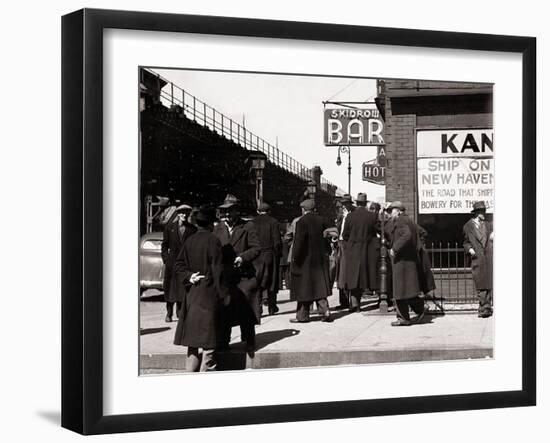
(374, 173)
(353, 127)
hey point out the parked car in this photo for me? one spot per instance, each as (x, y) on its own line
(151, 268)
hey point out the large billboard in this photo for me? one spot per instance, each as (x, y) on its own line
(353, 127)
(455, 168)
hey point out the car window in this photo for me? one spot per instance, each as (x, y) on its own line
(152, 245)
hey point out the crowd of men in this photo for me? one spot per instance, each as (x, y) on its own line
(222, 271)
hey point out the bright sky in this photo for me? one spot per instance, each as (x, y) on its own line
(289, 109)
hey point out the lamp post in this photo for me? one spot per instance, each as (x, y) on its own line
(258, 160)
(383, 307)
(311, 189)
(345, 150)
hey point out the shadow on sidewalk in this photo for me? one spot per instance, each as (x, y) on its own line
(147, 331)
(235, 357)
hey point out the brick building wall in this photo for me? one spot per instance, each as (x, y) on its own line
(411, 105)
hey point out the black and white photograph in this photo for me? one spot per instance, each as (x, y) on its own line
(296, 221)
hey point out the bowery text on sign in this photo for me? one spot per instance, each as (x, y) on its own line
(353, 127)
(455, 169)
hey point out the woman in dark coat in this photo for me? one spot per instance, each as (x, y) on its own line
(405, 266)
(199, 268)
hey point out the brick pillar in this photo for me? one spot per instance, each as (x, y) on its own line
(400, 168)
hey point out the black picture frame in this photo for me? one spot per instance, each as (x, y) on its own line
(82, 218)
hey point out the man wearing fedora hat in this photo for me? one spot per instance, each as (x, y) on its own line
(360, 229)
(478, 245)
(406, 266)
(240, 247)
(175, 234)
(343, 293)
(267, 263)
(199, 267)
(310, 268)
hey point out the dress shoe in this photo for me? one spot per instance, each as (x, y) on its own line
(354, 309)
(328, 319)
(295, 320)
(168, 319)
(273, 311)
(401, 323)
(419, 317)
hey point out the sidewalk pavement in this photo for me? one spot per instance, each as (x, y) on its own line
(353, 338)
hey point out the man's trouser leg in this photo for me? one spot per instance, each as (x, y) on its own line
(323, 307)
(355, 299)
(402, 310)
(248, 335)
(193, 362)
(485, 301)
(272, 301)
(343, 298)
(302, 311)
(417, 305)
(169, 309)
(208, 360)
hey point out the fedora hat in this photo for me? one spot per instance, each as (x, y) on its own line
(308, 205)
(346, 198)
(479, 206)
(184, 208)
(396, 204)
(229, 201)
(264, 207)
(361, 198)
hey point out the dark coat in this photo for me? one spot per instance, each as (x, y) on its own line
(482, 261)
(172, 243)
(244, 243)
(267, 263)
(198, 318)
(310, 268)
(405, 264)
(360, 228)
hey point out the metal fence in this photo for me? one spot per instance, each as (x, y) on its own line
(453, 276)
(203, 114)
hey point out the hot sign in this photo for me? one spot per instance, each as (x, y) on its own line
(374, 173)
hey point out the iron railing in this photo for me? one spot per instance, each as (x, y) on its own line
(453, 276)
(205, 115)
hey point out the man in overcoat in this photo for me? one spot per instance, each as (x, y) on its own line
(404, 253)
(359, 231)
(343, 292)
(478, 244)
(175, 234)
(240, 247)
(199, 267)
(288, 238)
(267, 263)
(310, 268)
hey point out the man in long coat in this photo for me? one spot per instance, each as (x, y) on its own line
(310, 268)
(343, 293)
(174, 236)
(199, 267)
(360, 229)
(406, 280)
(267, 263)
(289, 240)
(240, 247)
(478, 244)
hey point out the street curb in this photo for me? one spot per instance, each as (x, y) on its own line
(236, 359)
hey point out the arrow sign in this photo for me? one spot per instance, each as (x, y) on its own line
(374, 173)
